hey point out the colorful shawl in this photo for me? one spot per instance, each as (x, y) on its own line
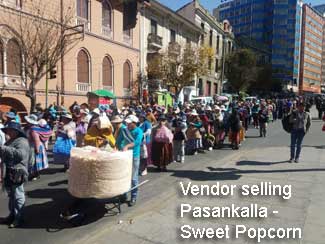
(163, 134)
(44, 132)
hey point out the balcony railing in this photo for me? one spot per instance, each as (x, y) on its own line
(12, 81)
(127, 39)
(154, 41)
(83, 87)
(107, 31)
(108, 88)
(174, 48)
(83, 21)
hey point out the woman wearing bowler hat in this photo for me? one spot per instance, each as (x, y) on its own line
(16, 156)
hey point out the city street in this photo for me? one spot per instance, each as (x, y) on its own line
(156, 216)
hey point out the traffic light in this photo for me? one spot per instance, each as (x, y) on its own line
(53, 73)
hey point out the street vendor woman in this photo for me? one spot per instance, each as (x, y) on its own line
(100, 130)
(16, 156)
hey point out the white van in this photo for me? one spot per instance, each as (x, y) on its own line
(187, 93)
(201, 100)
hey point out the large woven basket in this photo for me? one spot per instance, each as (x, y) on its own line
(99, 174)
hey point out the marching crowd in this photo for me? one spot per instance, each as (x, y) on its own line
(157, 135)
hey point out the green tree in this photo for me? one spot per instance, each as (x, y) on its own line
(181, 71)
(241, 70)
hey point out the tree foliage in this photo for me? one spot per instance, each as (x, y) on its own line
(178, 71)
(241, 70)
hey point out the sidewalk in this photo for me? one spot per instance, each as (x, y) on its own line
(158, 221)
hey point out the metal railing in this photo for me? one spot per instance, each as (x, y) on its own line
(154, 39)
(83, 87)
(107, 31)
(108, 88)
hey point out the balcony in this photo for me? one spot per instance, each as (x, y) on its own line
(174, 48)
(83, 21)
(83, 87)
(107, 32)
(108, 88)
(154, 42)
(127, 39)
(12, 82)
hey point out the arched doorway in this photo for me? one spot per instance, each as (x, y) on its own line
(7, 103)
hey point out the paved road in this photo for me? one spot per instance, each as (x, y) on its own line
(154, 219)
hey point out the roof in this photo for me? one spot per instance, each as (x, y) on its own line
(199, 7)
(175, 15)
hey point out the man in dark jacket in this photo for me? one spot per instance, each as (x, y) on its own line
(16, 156)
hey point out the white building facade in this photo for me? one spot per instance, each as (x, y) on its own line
(218, 36)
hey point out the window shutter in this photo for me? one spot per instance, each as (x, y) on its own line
(107, 72)
(13, 58)
(83, 67)
(106, 18)
(126, 75)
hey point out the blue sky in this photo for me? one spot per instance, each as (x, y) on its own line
(211, 4)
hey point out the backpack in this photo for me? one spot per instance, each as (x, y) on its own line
(287, 126)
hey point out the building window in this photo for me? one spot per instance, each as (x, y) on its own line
(1, 58)
(217, 65)
(82, 9)
(172, 36)
(218, 44)
(215, 88)
(14, 60)
(200, 87)
(107, 72)
(106, 18)
(208, 89)
(210, 64)
(211, 38)
(127, 75)
(83, 67)
(153, 27)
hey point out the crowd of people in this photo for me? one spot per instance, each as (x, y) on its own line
(157, 135)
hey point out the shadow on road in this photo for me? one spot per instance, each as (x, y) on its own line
(238, 171)
(46, 215)
(198, 175)
(316, 147)
(257, 163)
(57, 183)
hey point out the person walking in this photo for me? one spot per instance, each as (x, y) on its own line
(162, 138)
(16, 156)
(263, 118)
(137, 135)
(301, 123)
(65, 140)
(146, 128)
(234, 126)
(38, 135)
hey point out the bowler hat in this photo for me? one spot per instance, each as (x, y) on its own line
(14, 126)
